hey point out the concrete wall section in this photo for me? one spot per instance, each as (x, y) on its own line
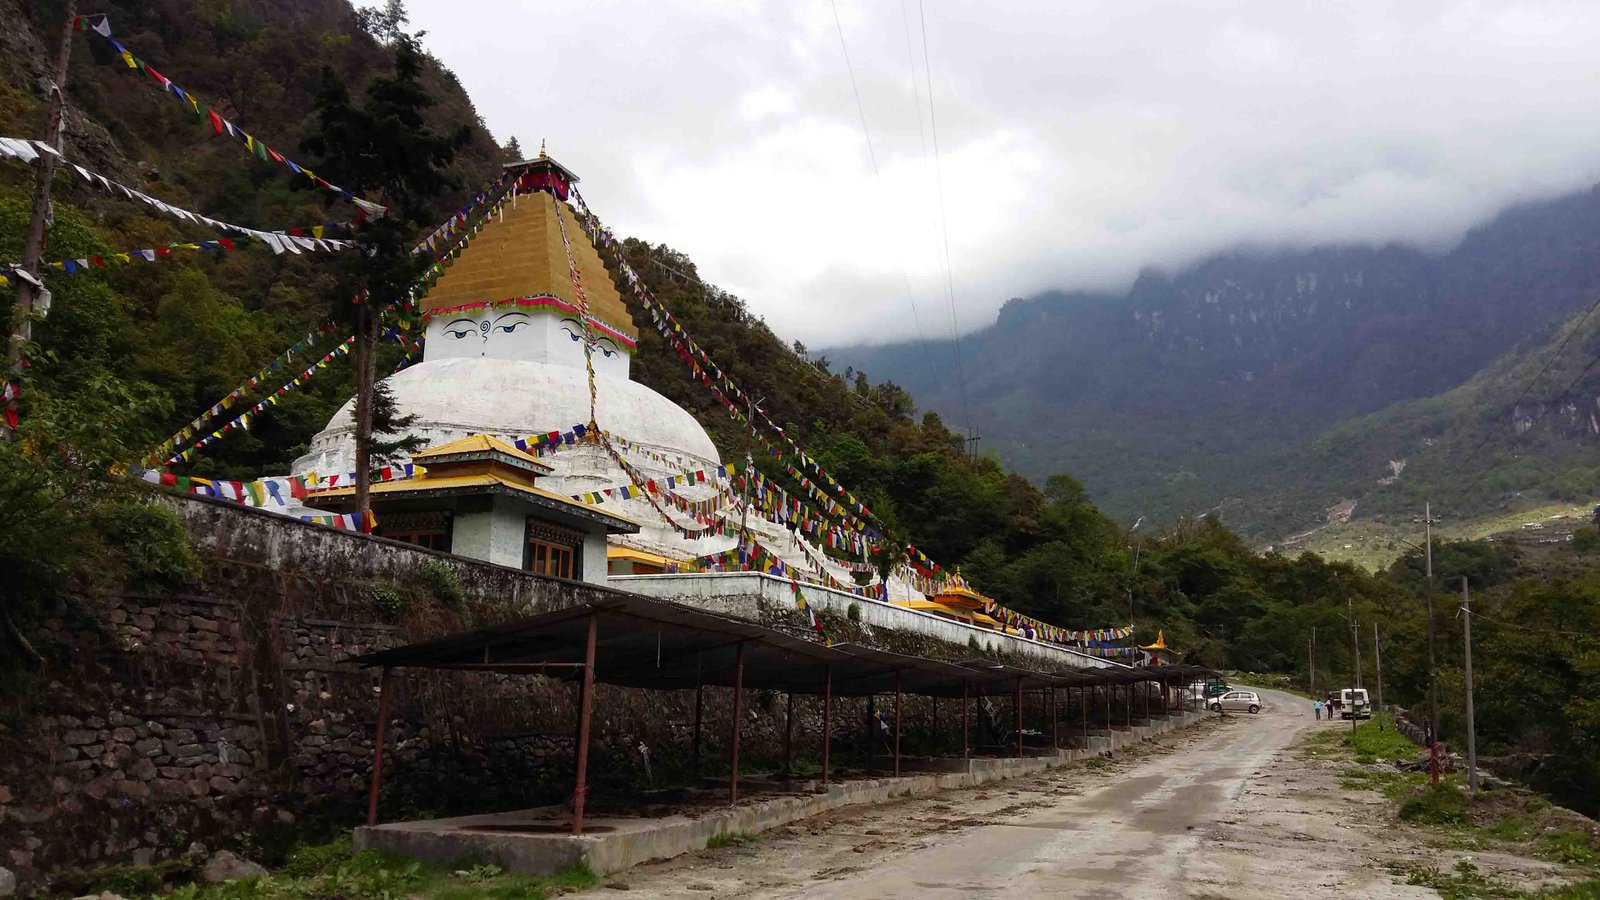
(740, 593)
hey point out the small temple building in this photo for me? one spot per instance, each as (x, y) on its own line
(476, 497)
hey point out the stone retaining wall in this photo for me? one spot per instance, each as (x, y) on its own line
(223, 712)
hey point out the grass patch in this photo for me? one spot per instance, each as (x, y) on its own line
(1097, 762)
(728, 839)
(1573, 847)
(1466, 882)
(1442, 804)
(335, 870)
(1394, 785)
(1373, 745)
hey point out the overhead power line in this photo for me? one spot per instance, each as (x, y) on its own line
(944, 223)
(872, 154)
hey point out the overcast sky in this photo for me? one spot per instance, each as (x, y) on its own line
(1079, 141)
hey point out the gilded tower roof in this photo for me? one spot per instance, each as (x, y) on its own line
(521, 255)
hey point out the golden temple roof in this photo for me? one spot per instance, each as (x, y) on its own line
(522, 255)
(478, 443)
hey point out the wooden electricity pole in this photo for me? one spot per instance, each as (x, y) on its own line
(28, 285)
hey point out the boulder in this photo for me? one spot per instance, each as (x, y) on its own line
(224, 866)
(8, 883)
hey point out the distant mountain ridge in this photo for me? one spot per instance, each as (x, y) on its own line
(1199, 389)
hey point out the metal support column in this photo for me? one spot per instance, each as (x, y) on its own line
(897, 723)
(694, 751)
(384, 690)
(1055, 720)
(788, 736)
(738, 722)
(827, 721)
(1019, 717)
(580, 786)
(966, 748)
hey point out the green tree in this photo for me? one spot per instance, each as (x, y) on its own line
(384, 149)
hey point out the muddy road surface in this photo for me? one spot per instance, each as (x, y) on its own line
(1222, 809)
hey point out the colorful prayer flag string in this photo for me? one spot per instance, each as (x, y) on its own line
(101, 26)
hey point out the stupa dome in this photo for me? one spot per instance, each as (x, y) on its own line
(456, 398)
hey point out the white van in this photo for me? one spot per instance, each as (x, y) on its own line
(1353, 703)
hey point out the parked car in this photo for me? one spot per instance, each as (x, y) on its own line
(1353, 702)
(1241, 701)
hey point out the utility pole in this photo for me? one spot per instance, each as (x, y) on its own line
(972, 443)
(29, 289)
(1433, 681)
(1311, 660)
(1472, 725)
(1355, 649)
(1377, 659)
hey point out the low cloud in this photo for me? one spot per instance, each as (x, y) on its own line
(1077, 143)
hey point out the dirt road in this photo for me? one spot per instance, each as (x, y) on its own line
(1223, 809)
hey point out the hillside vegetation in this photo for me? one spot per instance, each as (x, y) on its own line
(1270, 385)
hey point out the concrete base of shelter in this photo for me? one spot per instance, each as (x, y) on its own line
(537, 842)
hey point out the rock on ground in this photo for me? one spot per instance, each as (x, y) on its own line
(224, 866)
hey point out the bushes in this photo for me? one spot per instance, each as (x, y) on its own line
(441, 581)
(149, 542)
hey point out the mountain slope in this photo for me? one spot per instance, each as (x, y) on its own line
(1191, 388)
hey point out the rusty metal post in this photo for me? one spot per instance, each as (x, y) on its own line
(384, 686)
(1055, 720)
(827, 721)
(897, 723)
(872, 735)
(738, 722)
(788, 736)
(1127, 699)
(966, 747)
(694, 752)
(1109, 689)
(1083, 710)
(1019, 717)
(580, 787)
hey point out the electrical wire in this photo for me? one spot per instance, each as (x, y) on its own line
(1483, 618)
(872, 154)
(944, 223)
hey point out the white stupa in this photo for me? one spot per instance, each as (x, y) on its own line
(504, 358)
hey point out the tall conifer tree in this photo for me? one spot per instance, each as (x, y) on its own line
(383, 149)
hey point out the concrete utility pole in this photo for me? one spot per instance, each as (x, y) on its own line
(1433, 681)
(1355, 638)
(1472, 726)
(29, 288)
(1377, 659)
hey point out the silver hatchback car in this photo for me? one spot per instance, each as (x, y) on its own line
(1237, 701)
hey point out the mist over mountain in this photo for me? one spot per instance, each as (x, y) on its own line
(1210, 388)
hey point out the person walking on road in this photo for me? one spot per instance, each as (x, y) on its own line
(1316, 709)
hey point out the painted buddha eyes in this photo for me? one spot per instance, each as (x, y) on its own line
(574, 330)
(458, 329)
(510, 322)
